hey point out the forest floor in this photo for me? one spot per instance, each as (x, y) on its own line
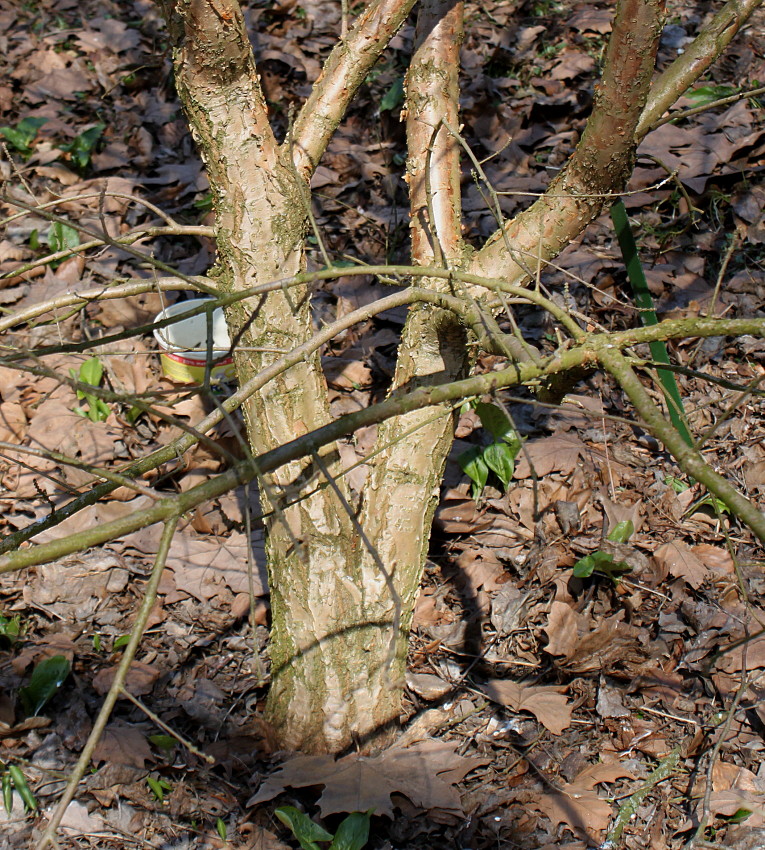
(540, 705)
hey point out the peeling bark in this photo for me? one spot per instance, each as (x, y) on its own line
(341, 588)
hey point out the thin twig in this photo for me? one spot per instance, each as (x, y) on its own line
(79, 770)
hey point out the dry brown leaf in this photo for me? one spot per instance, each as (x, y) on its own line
(140, 679)
(591, 19)
(427, 685)
(480, 568)
(586, 643)
(732, 661)
(676, 557)
(714, 558)
(558, 453)
(546, 703)
(572, 64)
(577, 805)
(12, 422)
(122, 744)
(425, 773)
(74, 587)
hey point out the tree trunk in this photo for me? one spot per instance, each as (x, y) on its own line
(343, 588)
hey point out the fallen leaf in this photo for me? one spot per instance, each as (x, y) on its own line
(577, 805)
(425, 773)
(140, 679)
(676, 557)
(590, 644)
(572, 64)
(122, 744)
(546, 703)
(558, 453)
(78, 821)
(427, 685)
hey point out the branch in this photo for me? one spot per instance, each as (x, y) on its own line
(603, 159)
(344, 71)
(599, 347)
(433, 167)
(104, 239)
(696, 58)
(102, 293)
(192, 433)
(83, 762)
(706, 107)
(688, 458)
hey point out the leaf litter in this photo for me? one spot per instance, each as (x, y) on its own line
(555, 696)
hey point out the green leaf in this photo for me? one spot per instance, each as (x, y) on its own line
(676, 484)
(7, 792)
(91, 372)
(621, 532)
(739, 816)
(474, 466)
(220, 827)
(204, 202)
(81, 148)
(10, 629)
(717, 505)
(496, 422)
(394, 97)
(353, 832)
(163, 742)
(46, 679)
(586, 566)
(500, 458)
(303, 828)
(20, 784)
(159, 787)
(23, 134)
(34, 239)
(122, 640)
(62, 237)
(708, 94)
(644, 303)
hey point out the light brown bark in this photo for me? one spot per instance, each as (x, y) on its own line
(340, 586)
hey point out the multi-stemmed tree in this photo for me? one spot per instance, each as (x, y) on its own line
(343, 577)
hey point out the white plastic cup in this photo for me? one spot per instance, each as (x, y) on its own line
(183, 345)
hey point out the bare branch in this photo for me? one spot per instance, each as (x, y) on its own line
(515, 375)
(344, 71)
(604, 157)
(696, 58)
(83, 762)
(433, 167)
(689, 459)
